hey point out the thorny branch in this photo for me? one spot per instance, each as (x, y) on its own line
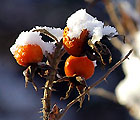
(95, 84)
(54, 60)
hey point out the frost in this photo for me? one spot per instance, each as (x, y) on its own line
(110, 31)
(49, 47)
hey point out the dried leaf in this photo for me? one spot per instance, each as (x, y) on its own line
(102, 53)
(29, 74)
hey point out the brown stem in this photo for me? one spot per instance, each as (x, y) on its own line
(46, 101)
(54, 60)
(95, 84)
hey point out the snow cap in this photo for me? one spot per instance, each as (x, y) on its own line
(82, 20)
(33, 38)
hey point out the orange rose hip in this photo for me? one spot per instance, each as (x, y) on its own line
(80, 66)
(75, 46)
(28, 54)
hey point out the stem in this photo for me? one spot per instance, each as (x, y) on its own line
(95, 84)
(46, 100)
(54, 59)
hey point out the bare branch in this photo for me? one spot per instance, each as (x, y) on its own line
(95, 84)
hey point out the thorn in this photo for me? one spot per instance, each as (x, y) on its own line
(43, 99)
(42, 109)
(105, 80)
(48, 88)
(40, 112)
(43, 117)
(44, 87)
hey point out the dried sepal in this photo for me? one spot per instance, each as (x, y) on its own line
(75, 81)
(81, 88)
(55, 113)
(99, 52)
(46, 32)
(71, 86)
(29, 74)
(103, 51)
(43, 69)
(50, 88)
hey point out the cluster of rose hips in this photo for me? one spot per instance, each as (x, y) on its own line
(84, 50)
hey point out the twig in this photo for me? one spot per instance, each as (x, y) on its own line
(95, 84)
(46, 101)
(45, 32)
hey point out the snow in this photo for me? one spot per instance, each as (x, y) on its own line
(76, 23)
(108, 30)
(127, 91)
(94, 62)
(34, 38)
(49, 47)
(82, 20)
(57, 32)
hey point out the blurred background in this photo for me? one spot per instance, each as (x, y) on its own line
(116, 99)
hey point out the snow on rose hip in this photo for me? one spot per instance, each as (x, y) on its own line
(83, 32)
(29, 48)
(81, 39)
(75, 46)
